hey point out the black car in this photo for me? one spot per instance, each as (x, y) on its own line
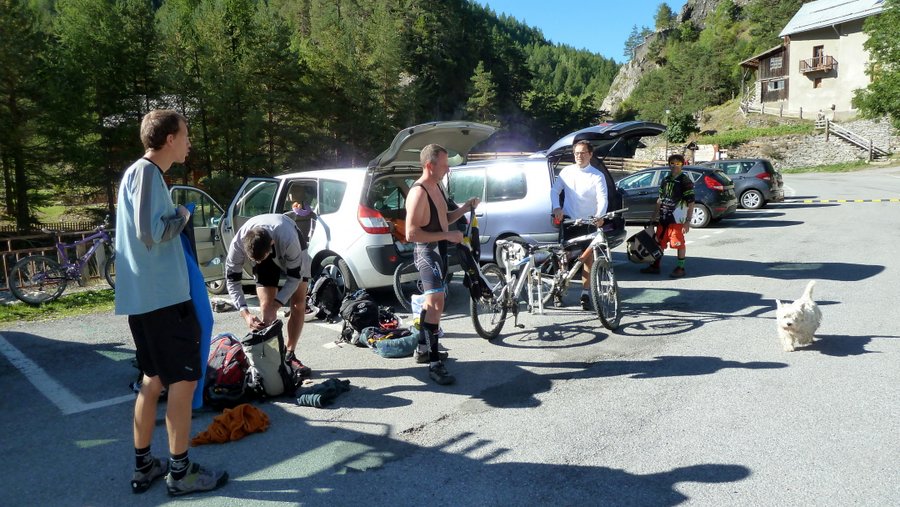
(713, 194)
(756, 182)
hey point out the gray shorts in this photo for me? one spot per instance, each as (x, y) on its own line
(430, 266)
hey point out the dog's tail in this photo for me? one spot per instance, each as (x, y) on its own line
(809, 287)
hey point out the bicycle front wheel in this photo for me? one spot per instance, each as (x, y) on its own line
(109, 270)
(605, 293)
(488, 315)
(37, 279)
(407, 284)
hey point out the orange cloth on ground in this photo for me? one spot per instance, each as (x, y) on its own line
(233, 424)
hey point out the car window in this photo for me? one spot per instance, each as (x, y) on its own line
(466, 184)
(505, 185)
(694, 176)
(746, 166)
(331, 195)
(206, 211)
(637, 181)
(256, 199)
(768, 166)
(733, 167)
(302, 192)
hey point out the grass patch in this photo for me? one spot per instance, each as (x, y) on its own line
(843, 167)
(78, 303)
(736, 137)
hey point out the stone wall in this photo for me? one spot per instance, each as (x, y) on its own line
(814, 150)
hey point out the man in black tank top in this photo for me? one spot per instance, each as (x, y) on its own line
(427, 221)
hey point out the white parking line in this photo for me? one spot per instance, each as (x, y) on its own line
(67, 402)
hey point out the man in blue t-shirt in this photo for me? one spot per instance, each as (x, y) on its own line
(152, 289)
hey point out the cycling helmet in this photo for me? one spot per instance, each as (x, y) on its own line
(642, 248)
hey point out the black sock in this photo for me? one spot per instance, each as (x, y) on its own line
(432, 341)
(178, 465)
(143, 460)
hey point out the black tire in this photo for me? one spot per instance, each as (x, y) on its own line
(340, 271)
(37, 279)
(217, 287)
(605, 294)
(488, 317)
(701, 216)
(407, 283)
(752, 199)
(109, 270)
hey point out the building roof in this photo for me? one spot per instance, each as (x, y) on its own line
(753, 61)
(825, 13)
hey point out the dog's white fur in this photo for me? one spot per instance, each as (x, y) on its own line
(798, 321)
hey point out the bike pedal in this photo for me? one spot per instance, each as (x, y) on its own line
(520, 326)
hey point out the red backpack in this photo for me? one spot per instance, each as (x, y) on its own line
(226, 372)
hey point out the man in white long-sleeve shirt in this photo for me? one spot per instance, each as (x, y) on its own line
(582, 188)
(275, 246)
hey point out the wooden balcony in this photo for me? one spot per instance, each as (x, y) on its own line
(818, 64)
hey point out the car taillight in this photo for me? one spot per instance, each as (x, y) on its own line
(713, 184)
(372, 221)
(764, 176)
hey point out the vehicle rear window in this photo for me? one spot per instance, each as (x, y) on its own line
(768, 166)
(722, 177)
(332, 193)
(507, 185)
(733, 167)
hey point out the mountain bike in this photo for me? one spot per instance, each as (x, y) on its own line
(519, 260)
(37, 279)
(556, 274)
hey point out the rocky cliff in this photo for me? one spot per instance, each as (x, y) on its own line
(694, 11)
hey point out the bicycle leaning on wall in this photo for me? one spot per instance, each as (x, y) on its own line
(38, 279)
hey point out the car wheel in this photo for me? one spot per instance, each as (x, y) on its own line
(752, 199)
(217, 287)
(700, 218)
(340, 271)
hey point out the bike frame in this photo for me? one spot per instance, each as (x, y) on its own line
(515, 283)
(100, 237)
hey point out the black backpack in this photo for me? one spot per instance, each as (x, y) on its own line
(359, 311)
(325, 295)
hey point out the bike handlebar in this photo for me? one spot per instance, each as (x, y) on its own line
(592, 219)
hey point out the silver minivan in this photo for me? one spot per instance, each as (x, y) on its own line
(515, 192)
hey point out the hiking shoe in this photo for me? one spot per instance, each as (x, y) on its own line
(586, 302)
(141, 481)
(440, 375)
(677, 273)
(297, 367)
(198, 479)
(651, 269)
(422, 357)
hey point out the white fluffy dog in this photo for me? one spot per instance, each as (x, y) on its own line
(798, 321)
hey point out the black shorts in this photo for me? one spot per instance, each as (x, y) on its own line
(431, 267)
(168, 342)
(268, 274)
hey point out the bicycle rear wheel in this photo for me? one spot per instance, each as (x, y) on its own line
(605, 293)
(109, 270)
(488, 316)
(37, 279)
(407, 283)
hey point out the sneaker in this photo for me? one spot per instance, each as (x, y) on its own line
(586, 302)
(422, 357)
(677, 273)
(440, 375)
(197, 479)
(651, 269)
(141, 481)
(297, 367)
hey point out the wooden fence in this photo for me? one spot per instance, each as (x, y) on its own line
(59, 226)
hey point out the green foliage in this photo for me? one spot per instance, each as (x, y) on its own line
(736, 137)
(831, 168)
(882, 96)
(680, 126)
(664, 18)
(221, 186)
(482, 103)
(766, 19)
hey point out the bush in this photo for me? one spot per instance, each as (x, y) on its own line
(736, 137)
(221, 186)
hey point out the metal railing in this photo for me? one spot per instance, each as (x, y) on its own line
(851, 137)
(818, 64)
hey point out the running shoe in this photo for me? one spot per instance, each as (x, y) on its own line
(440, 374)
(141, 481)
(198, 479)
